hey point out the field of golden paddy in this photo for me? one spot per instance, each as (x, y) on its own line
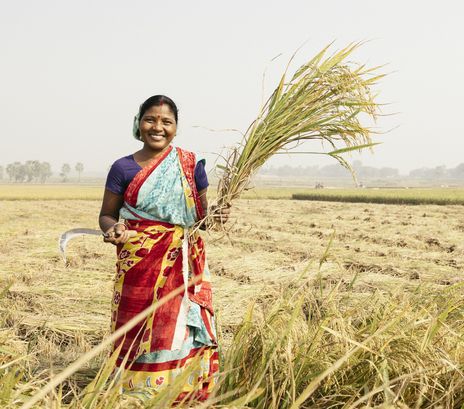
(52, 313)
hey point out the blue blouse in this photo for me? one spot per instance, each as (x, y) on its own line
(124, 170)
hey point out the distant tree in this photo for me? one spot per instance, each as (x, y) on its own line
(334, 170)
(29, 171)
(371, 172)
(45, 171)
(65, 169)
(36, 169)
(458, 171)
(387, 172)
(367, 172)
(79, 169)
(1, 172)
(32, 169)
(439, 172)
(10, 171)
(17, 171)
(419, 173)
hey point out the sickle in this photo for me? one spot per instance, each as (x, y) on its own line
(70, 234)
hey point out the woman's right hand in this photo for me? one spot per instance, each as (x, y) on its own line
(116, 234)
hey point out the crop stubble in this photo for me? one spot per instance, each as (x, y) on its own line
(64, 310)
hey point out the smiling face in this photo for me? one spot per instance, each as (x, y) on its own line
(157, 128)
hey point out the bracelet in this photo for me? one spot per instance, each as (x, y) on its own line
(124, 224)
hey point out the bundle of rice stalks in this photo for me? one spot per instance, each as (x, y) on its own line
(325, 100)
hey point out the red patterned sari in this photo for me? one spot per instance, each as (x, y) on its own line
(161, 203)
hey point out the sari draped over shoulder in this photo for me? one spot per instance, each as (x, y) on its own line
(161, 203)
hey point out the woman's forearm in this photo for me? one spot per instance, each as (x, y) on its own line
(106, 222)
(109, 213)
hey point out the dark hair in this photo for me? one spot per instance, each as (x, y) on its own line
(157, 100)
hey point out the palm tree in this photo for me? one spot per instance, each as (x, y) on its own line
(79, 169)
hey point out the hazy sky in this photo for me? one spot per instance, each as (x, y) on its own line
(73, 73)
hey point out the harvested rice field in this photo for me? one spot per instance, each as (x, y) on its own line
(51, 313)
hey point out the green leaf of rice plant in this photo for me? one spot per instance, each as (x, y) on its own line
(353, 148)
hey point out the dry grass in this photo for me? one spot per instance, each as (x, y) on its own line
(320, 346)
(381, 255)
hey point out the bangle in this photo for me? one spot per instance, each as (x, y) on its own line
(124, 224)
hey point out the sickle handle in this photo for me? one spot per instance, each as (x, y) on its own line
(132, 233)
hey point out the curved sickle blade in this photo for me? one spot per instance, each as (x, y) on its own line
(70, 234)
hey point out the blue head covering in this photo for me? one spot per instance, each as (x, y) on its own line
(136, 126)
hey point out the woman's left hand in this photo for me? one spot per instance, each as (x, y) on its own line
(221, 213)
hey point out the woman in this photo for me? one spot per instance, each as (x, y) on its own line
(160, 192)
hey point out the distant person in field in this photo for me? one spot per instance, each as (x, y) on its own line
(160, 192)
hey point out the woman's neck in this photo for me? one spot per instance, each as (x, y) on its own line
(147, 154)
(144, 156)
